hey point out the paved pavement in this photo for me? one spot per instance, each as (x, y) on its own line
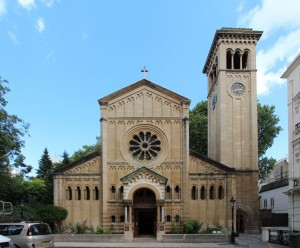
(243, 241)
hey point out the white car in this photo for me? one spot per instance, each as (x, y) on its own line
(6, 242)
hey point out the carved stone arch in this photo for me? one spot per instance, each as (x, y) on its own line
(145, 185)
(244, 218)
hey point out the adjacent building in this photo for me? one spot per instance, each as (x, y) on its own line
(273, 204)
(145, 179)
(292, 74)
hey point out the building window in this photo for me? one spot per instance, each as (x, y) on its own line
(237, 60)
(113, 192)
(220, 193)
(113, 219)
(212, 192)
(177, 218)
(203, 193)
(168, 192)
(168, 218)
(144, 146)
(121, 192)
(122, 219)
(194, 193)
(272, 202)
(87, 193)
(265, 203)
(78, 193)
(96, 193)
(228, 59)
(177, 192)
(245, 60)
(69, 193)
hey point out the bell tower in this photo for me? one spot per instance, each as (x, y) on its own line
(232, 104)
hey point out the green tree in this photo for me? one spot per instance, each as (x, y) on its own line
(86, 149)
(268, 129)
(12, 130)
(53, 215)
(45, 165)
(198, 128)
(65, 161)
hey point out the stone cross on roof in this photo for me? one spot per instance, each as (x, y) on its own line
(144, 70)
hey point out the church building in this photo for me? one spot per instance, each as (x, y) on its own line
(146, 180)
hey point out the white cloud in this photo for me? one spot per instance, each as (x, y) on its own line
(272, 15)
(13, 38)
(273, 18)
(48, 3)
(2, 7)
(27, 4)
(51, 56)
(40, 24)
(85, 37)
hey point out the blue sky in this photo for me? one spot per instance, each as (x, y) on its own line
(61, 56)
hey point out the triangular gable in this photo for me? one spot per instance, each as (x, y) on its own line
(143, 82)
(145, 173)
(82, 165)
(210, 165)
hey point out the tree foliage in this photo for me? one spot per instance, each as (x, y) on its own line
(86, 149)
(12, 130)
(198, 128)
(268, 129)
(45, 165)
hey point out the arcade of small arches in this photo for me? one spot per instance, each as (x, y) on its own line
(235, 60)
(118, 194)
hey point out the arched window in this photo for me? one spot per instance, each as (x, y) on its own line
(121, 190)
(168, 218)
(113, 219)
(69, 193)
(245, 58)
(168, 192)
(78, 193)
(177, 218)
(203, 193)
(194, 193)
(220, 193)
(177, 192)
(96, 193)
(87, 193)
(237, 60)
(228, 59)
(212, 192)
(113, 192)
(122, 219)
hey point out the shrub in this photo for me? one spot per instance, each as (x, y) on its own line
(192, 226)
(101, 230)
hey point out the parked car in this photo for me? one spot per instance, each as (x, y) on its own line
(28, 235)
(6, 242)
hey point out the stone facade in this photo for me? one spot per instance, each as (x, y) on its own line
(145, 180)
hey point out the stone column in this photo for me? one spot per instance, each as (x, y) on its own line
(126, 218)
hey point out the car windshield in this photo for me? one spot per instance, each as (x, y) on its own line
(9, 230)
(39, 229)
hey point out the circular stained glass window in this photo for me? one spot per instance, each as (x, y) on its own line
(144, 146)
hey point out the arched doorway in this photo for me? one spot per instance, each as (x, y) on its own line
(144, 207)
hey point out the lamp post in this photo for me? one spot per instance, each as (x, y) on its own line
(232, 201)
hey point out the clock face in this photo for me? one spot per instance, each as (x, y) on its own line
(238, 89)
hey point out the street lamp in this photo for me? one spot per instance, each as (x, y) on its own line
(232, 201)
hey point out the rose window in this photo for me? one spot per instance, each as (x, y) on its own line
(144, 146)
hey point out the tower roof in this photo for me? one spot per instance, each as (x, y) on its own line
(230, 34)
